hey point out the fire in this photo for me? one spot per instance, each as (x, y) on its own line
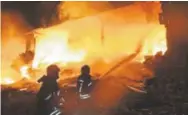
(6, 80)
(161, 46)
(79, 40)
(24, 72)
(155, 42)
(52, 47)
(12, 44)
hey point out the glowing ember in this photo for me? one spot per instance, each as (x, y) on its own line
(24, 72)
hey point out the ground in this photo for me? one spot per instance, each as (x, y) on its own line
(168, 98)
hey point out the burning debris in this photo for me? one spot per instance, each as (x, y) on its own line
(70, 47)
(106, 41)
(13, 43)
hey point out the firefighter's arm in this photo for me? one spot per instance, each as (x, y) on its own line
(41, 79)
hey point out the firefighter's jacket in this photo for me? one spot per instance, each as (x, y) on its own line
(49, 85)
(84, 84)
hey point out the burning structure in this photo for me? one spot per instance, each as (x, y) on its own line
(107, 36)
(101, 40)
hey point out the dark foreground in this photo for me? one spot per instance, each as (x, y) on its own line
(164, 97)
(23, 103)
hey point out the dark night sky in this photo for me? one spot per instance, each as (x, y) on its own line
(30, 10)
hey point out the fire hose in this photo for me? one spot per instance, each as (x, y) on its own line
(124, 61)
(128, 59)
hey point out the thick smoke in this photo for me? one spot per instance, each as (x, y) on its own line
(47, 13)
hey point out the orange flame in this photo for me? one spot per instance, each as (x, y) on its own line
(52, 47)
(24, 72)
(79, 40)
(7, 80)
(155, 42)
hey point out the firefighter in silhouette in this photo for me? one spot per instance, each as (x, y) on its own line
(84, 83)
(48, 89)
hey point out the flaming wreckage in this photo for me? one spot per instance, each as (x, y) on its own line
(25, 60)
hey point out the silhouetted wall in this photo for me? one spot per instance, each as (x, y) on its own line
(175, 17)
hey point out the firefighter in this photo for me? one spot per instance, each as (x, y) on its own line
(84, 83)
(48, 89)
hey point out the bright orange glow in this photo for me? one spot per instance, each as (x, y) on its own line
(6, 80)
(12, 44)
(80, 40)
(24, 72)
(155, 42)
(52, 47)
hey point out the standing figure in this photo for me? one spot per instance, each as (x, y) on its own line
(48, 89)
(84, 83)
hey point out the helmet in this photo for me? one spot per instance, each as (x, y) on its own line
(85, 69)
(53, 69)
